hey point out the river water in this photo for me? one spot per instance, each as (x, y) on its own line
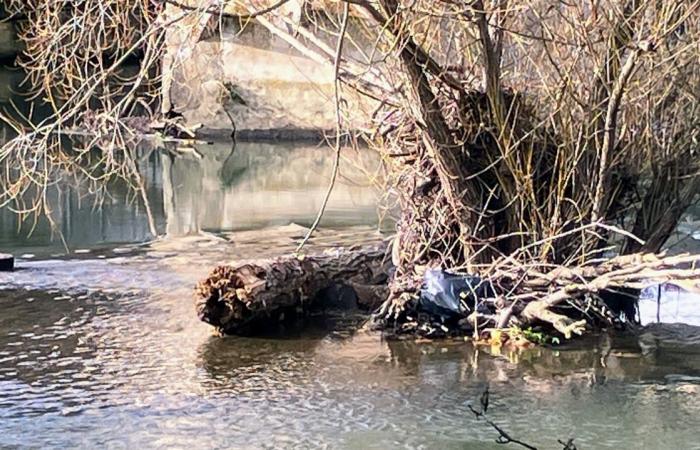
(100, 348)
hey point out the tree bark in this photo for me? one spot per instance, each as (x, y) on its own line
(236, 298)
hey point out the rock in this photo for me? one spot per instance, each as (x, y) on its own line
(7, 262)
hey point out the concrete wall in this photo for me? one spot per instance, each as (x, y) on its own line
(260, 89)
(222, 73)
(252, 77)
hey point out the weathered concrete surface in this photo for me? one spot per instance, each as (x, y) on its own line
(221, 73)
(260, 89)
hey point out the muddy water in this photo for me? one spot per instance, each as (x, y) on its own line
(102, 349)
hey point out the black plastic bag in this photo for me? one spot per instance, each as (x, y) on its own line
(451, 296)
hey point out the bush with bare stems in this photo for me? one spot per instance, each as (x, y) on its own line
(550, 147)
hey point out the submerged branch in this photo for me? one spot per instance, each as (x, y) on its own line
(503, 436)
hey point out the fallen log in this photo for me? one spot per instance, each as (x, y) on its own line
(240, 298)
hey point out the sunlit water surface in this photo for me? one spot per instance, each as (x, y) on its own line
(101, 348)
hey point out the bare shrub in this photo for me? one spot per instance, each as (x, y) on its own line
(529, 135)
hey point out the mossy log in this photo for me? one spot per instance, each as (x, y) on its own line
(237, 298)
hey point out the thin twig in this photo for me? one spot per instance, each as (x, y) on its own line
(504, 437)
(338, 131)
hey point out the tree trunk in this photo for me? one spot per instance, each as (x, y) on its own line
(237, 298)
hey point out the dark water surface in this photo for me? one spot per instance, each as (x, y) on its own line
(101, 348)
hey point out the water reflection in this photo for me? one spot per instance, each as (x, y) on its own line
(263, 184)
(210, 187)
(365, 393)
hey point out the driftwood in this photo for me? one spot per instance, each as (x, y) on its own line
(237, 298)
(625, 272)
(564, 300)
(240, 298)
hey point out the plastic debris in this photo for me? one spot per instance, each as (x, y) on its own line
(451, 295)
